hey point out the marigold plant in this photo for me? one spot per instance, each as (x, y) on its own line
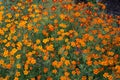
(58, 40)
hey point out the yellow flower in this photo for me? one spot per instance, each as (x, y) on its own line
(45, 40)
(50, 48)
(18, 66)
(1, 15)
(36, 30)
(52, 39)
(25, 18)
(18, 56)
(16, 15)
(73, 44)
(0, 2)
(73, 72)
(22, 23)
(9, 15)
(68, 47)
(19, 4)
(19, 44)
(1, 8)
(33, 61)
(66, 53)
(32, 15)
(38, 41)
(1, 62)
(105, 75)
(60, 38)
(4, 41)
(25, 72)
(1, 32)
(14, 38)
(29, 27)
(23, 7)
(62, 16)
(7, 44)
(14, 50)
(62, 25)
(55, 21)
(5, 54)
(17, 73)
(66, 40)
(35, 20)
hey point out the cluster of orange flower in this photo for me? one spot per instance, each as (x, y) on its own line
(57, 39)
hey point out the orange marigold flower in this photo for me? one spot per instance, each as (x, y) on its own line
(84, 78)
(16, 78)
(97, 47)
(45, 13)
(73, 72)
(45, 58)
(69, 6)
(77, 14)
(51, 27)
(104, 42)
(89, 62)
(45, 70)
(54, 0)
(66, 74)
(17, 73)
(54, 71)
(1, 32)
(67, 62)
(49, 78)
(74, 62)
(91, 38)
(33, 61)
(62, 58)
(95, 71)
(73, 44)
(50, 48)
(38, 77)
(53, 8)
(110, 53)
(105, 75)
(62, 16)
(62, 78)
(32, 79)
(8, 66)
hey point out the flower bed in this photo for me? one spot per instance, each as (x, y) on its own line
(56, 39)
